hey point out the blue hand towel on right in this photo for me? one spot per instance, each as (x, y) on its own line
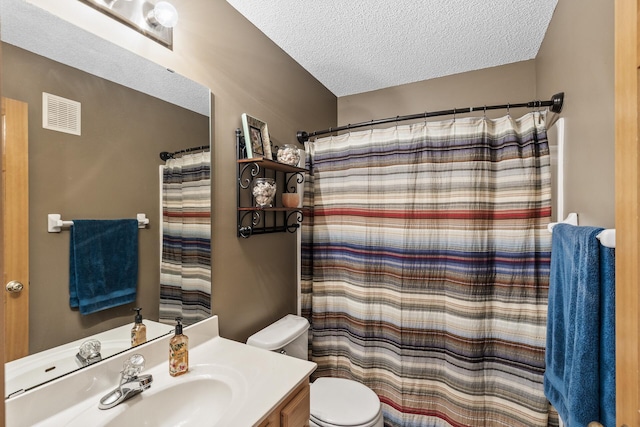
(103, 264)
(571, 379)
(608, 336)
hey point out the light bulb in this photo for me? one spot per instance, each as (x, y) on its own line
(164, 14)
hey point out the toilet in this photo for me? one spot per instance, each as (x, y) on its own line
(335, 402)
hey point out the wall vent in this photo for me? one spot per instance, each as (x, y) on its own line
(60, 114)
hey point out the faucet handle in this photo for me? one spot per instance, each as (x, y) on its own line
(133, 366)
(90, 348)
(89, 352)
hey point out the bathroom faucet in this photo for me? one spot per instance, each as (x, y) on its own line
(130, 383)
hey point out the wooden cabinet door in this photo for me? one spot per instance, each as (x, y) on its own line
(293, 411)
(296, 412)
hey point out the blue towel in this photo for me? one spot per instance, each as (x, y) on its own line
(571, 379)
(103, 264)
(607, 336)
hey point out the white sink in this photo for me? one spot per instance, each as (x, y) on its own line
(228, 384)
(186, 404)
(199, 398)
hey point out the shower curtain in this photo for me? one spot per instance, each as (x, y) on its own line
(425, 265)
(185, 268)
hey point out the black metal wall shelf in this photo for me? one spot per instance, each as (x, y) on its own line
(256, 220)
(272, 164)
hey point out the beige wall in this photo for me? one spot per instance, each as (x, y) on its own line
(254, 280)
(577, 57)
(498, 85)
(110, 171)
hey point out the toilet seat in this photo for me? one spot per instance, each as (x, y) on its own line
(338, 402)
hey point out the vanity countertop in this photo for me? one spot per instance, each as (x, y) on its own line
(260, 381)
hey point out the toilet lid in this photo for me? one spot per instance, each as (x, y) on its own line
(343, 402)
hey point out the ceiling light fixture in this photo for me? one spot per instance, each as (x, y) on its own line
(163, 14)
(155, 21)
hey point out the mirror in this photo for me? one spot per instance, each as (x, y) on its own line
(131, 110)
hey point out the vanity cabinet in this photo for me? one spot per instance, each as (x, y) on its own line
(261, 220)
(293, 411)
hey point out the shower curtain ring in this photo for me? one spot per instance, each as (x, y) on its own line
(539, 111)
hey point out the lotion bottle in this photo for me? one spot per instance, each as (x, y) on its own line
(178, 351)
(139, 330)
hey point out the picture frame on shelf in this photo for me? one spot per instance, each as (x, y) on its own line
(256, 138)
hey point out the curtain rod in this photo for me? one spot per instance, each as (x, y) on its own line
(165, 155)
(555, 103)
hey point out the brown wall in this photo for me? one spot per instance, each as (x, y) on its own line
(498, 85)
(577, 57)
(110, 171)
(253, 280)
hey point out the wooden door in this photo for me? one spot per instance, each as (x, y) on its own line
(627, 182)
(15, 214)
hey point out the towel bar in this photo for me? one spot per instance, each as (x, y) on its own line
(572, 219)
(55, 223)
(607, 237)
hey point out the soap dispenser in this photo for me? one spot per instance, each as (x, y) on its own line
(139, 330)
(178, 351)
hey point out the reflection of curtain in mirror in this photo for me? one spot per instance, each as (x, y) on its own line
(185, 268)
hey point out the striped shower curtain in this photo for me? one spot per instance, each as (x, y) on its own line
(185, 268)
(425, 265)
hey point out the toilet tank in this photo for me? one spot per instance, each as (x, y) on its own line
(288, 335)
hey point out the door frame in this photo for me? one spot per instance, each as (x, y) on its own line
(627, 212)
(15, 216)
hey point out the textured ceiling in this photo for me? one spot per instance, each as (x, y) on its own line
(359, 46)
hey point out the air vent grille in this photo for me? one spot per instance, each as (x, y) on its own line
(60, 114)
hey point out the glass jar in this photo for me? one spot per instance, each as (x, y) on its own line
(264, 190)
(289, 154)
